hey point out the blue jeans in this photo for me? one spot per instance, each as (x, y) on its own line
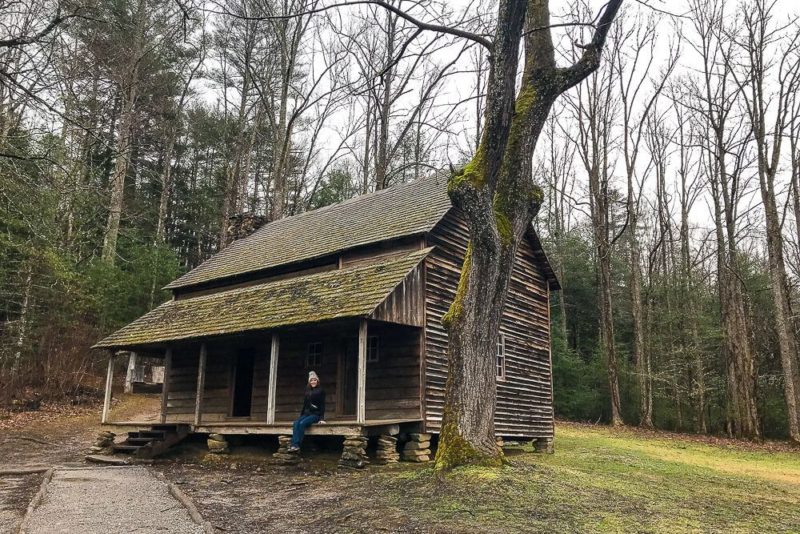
(300, 426)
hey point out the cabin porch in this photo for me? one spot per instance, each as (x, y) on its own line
(375, 427)
(253, 383)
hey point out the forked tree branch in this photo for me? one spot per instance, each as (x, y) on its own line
(590, 59)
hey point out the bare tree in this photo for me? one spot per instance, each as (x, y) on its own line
(594, 107)
(690, 187)
(128, 81)
(633, 57)
(766, 69)
(722, 133)
(238, 41)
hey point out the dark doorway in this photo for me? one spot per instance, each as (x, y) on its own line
(243, 384)
(349, 377)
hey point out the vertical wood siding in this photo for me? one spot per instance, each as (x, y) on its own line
(406, 303)
(524, 399)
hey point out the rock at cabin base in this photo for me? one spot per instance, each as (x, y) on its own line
(354, 452)
(217, 444)
(543, 445)
(104, 439)
(284, 456)
(418, 459)
(416, 446)
(387, 450)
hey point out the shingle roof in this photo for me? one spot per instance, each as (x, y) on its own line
(402, 210)
(353, 292)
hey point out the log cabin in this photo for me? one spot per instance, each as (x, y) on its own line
(355, 291)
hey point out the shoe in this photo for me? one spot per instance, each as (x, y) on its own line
(292, 448)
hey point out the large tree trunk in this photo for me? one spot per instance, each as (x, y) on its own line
(757, 45)
(496, 193)
(780, 298)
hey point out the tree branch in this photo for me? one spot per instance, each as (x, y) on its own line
(26, 40)
(439, 28)
(590, 59)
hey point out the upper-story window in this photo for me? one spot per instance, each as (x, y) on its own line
(501, 357)
(372, 349)
(314, 355)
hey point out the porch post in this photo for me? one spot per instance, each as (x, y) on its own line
(131, 374)
(273, 378)
(165, 385)
(109, 378)
(201, 384)
(361, 396)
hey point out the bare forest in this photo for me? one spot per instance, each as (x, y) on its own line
(136, 134)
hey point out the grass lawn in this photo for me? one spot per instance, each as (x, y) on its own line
(608, 480)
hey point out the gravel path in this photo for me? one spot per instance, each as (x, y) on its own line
(109, 500)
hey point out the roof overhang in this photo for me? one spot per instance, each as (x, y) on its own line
(340, 294)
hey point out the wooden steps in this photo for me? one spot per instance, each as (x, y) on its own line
(149, 443)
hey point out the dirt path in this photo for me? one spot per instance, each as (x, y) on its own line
(56, 436)
(109, 500)
(16, 491)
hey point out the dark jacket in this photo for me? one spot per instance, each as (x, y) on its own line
(314, 402)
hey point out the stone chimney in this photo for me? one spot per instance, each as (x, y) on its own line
(243, 224)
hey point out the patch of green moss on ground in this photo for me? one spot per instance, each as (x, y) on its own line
(455, 451)
(604, 480)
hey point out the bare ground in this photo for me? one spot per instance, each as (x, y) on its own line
(600, 479)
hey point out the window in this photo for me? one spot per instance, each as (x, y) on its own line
(501, 357)
(314, 355)
(372, 349)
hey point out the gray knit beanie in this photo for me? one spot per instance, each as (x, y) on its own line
(311, 375)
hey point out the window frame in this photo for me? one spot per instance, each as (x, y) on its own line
(374, 356)
(500, 358)
(309, 353)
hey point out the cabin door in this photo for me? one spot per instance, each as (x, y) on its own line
(243, 384)
(348, 378)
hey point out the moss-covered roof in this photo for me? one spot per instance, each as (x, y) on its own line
(353, 292)
(402, 210)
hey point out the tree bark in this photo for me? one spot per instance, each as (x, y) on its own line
(385, 109)
(496, 193)
(754, 84)
(129, 86)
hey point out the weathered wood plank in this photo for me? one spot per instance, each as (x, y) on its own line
(361, 394)
(201, 377)
(165, 388)
(273, 378)
(109, 380)
(524, 399)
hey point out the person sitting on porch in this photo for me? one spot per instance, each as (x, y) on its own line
(313, 411)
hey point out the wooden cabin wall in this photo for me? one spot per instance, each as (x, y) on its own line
(524, 399)
(220, 363)
(392, 391)
(182, 385)
(293, 374)
(393, 382)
